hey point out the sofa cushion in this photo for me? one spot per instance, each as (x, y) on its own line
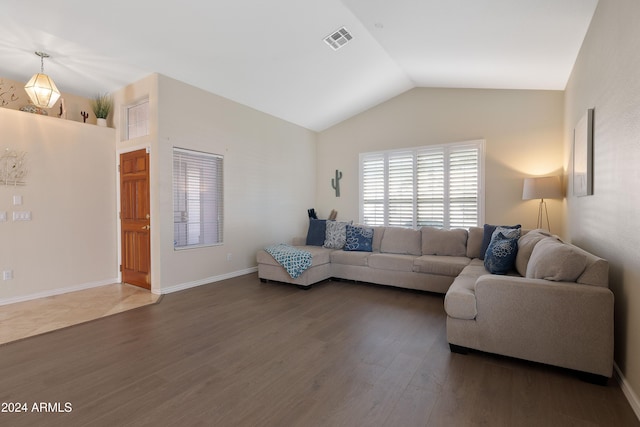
(316, 232)
(486, 237)
(403, 241)
(526, 243)
(436, 241)
(474, 242)
(350, 258)
(557, 261)
(359, 238)
(378, 233)
(442, 265)
(395, 262)
(501, 253)
(336, 234)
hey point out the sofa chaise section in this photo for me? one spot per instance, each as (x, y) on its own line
(269, 269)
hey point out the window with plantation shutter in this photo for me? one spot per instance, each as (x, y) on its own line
(372, 170)
(437, 186)
(464, 187)
(197, 198)
(430, 203)
(138, 119)
(400, 184)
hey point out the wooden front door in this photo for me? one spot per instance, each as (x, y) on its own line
(135, 218)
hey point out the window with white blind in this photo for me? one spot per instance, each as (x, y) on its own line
(197, 198)
(438, 186)
(138, 119)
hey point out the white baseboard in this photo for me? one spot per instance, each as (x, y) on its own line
(183, 286)
(58, 291)
(628, 391)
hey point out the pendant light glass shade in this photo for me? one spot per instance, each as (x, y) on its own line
(41, 89)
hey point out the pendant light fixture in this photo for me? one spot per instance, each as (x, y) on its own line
(41, 89)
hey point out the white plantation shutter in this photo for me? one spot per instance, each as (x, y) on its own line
(431, 188)
(197, 198)
(373, 189)
(464, 187)
(438, 186)
(400, 178)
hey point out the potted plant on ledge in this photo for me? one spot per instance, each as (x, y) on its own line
(101, 105)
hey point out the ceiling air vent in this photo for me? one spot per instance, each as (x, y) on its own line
(338, 38)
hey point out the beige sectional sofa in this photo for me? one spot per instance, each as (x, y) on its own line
(428, 259)
(554, 308)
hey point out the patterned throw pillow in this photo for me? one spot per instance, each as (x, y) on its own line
(336, 234)
(488, 234)
(508, 232)
(359, 239)
(501, 254)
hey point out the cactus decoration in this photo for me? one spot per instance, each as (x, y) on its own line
(84, 115)
(335, 182)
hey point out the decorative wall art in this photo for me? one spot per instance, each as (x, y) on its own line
(335, 182)
(7, 93)
(583, 155)
(13, 167)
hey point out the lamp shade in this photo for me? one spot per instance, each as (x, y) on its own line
(546, 187)
(42, 90)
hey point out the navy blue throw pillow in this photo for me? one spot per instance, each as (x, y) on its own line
(488, 232)
(359, 239)
(501, 254)
(316, 232)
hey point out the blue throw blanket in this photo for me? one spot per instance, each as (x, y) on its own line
(294, 260)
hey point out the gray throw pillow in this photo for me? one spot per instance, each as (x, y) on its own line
(554, 260)
(526, 244)
(335, 234)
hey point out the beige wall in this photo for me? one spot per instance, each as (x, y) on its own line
(71, 240)
(606, 77)
(269, 173)
(523, 132)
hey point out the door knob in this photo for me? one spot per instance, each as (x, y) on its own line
(146, 227)
(148, 216)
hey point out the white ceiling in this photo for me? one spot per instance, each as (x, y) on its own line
(270, 55)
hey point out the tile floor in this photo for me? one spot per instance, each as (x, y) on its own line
(25, 319)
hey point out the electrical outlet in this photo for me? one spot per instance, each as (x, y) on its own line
(22, 216)
(3, 216)
(229, 256)
(7, 275)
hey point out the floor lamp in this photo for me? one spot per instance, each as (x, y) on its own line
(546, 187)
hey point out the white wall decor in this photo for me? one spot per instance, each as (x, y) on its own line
(583, 156)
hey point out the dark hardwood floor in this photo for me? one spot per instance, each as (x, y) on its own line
(244, 353)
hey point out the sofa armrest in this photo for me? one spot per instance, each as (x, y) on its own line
(559, 323)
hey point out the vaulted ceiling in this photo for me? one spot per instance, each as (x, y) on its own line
(270, 55)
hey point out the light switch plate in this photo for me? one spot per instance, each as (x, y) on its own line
(3, 216)
(17, 200)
